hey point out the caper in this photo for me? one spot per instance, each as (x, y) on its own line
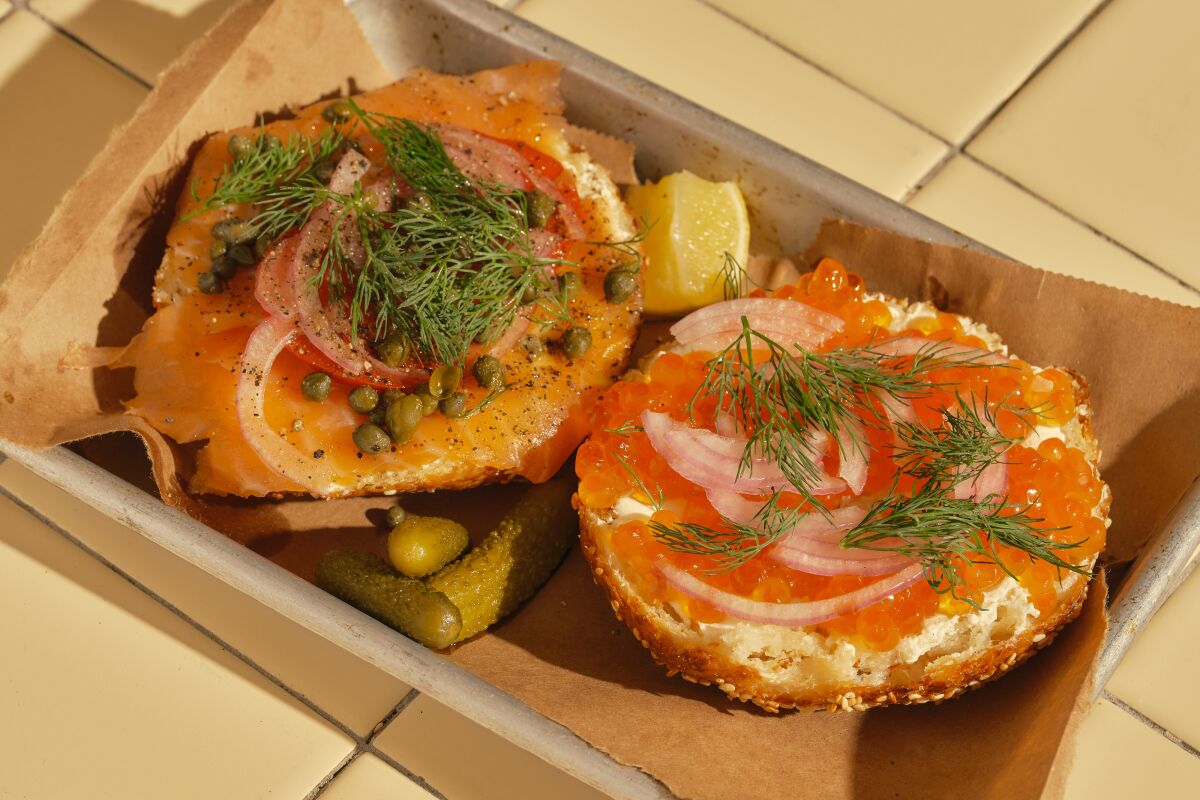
(242, 254)
(378, 415)
(529, 295)
(429, 403)
(323, 170)
(392, 351)
(316, 386)
(533, 344)
(234, 231)
(403, 417)
(261, 245)
(576, 341)
(218, 248)
(569, 283)
(420, 202)
(224, 267)
(444, 380)
(363, 399)
(270, 140)
(454, 405)
(489, 372)
(389, 396)
(395, 515)
(241, 147)
(619, 284)
(541, 208)
(338, 111)
(209, 283)
(371, 438)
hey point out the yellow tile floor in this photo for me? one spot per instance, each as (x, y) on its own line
(1065, 134)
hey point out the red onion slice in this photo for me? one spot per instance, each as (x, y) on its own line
(273, 279)
(912, 345)
(852, 458)
(847, 562)
(262, 348)
(711, 461)
(991, 482)
(786, 321)
(792, 615)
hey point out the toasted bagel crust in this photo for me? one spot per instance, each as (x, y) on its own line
(785, 668)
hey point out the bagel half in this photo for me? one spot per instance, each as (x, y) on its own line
(778, 667)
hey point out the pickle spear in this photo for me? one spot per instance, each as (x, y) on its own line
(365, 581)
(420, 546)
(514, 560)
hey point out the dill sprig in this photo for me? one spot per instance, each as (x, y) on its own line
(967, 442)
(942, 532)
(732, 545)
(655, 499)
(625, 429)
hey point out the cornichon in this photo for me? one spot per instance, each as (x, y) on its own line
(365, 581)
(419, 546)
(514, 560)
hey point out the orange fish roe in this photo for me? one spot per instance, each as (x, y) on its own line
(1060, 485)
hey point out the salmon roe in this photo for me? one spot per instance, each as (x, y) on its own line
(1057, 481)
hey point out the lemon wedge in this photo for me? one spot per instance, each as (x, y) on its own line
(694, 223)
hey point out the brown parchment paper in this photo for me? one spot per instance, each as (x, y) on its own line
(86, 281)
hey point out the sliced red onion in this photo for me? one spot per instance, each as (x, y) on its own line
(786, 321)
(991, 482)
(792, 615)
(483, 158)
(273, 279)
(851, 561)
(912, 345)
(711, 461)
(898, 408)
(852, 457)
(512, 334)
(262, 348)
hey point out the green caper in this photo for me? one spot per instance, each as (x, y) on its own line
(455, 405)
(420, 546)
(420, 202)
(323, 170)
(261, 245)
(444, 380)
(576, 341)
(241, 147)
(403, 417)
(316, 386)
(619, 284)
(529, 295)
(242, 254)
(429, 403)
(224, 267)
(389, 396)
(371, 438)
(489, 372)
(378, 415)
(218, 248)
(363, 399)
(270, 140)
(209, 283)
(234, 231)
(541, 208)
(533, 344)
(395, 515)
(569, 283)
(338, 111)
(392, 351)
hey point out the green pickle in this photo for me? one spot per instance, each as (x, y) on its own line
(420, 546)
(365, 581)
(514, 560)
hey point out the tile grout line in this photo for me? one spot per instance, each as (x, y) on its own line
(133, 76)
(323, 784)
(195, 624)
(388, 718)
(1145, 720)
(404, 703)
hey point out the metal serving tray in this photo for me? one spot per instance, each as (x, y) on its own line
(789, 195)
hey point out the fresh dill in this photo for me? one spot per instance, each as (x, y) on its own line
(942, 532)
(656, 499)
(733, 277)
(625, 429)
(967, 442)
(733, 545)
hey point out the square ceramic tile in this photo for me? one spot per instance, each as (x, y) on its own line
(351, 690)
(60, 102)
(1118, 757)
(985, 206)
(1110, 130)
(700, 54)
(368, 777)
(143, 36)
(430, 740)
(945, 64)
(107, 694)
(1158, 674)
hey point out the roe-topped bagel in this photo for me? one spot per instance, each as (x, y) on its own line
(823, 497)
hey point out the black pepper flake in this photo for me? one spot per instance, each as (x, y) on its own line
(318, 453)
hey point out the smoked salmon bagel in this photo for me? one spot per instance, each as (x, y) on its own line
(819, 497)
(416, 288)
